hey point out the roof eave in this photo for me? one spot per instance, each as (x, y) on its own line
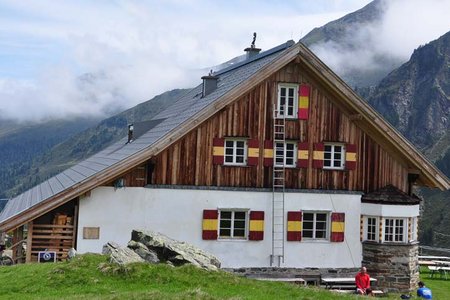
(433, 176)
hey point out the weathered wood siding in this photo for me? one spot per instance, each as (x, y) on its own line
(189, 161)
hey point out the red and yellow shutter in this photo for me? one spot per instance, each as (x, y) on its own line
(253, 152)
(268, 153)
(302, 155)
(303, 102)
(294, 226)
(337, 227)
(218, 151)
(350, 156)
(318, 155)
(210, 224)
(256, 228)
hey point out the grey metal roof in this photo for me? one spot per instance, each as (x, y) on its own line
(182, 110)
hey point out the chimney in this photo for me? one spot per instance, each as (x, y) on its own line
(130, 133)
(252, 50)
(209, 84)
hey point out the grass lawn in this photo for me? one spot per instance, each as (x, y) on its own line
(439, 286)
(91, 277)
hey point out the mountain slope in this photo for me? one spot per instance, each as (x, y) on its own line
(80, 146)
(415, 98)
(21, 143)
(347, 45)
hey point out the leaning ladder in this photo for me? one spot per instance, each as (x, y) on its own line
(278, 188)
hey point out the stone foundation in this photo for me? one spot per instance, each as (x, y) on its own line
(395, 266)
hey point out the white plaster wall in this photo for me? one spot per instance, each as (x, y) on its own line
(178, 214)
(399, 211)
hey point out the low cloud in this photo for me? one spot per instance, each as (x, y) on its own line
(373, 49)
(96, 58)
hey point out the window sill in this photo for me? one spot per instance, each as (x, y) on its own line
(315, 241)
(236, 166)
(287, 118)
(286, 167)
(219, 239)
(334, 169)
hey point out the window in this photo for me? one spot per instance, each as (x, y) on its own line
(372, 229)
(233, 224)
(394, 230)
(315, 225)
(287, 100)
(285, 154)
(333, 156)
(235, 152)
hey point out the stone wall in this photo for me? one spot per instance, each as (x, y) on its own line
(395, 266)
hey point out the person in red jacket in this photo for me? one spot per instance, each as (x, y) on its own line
(362, 281)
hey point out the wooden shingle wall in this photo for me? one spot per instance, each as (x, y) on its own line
(189, 161)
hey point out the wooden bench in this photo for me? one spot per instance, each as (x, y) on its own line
(299, 281)
(346, 285)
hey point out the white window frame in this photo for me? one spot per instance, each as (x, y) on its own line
(395, 232)
(232, 224)
(332, 158)
(234, 155)
(282, 113)
(314, 229)
(414, 236)
(366, 228)
(285, 152)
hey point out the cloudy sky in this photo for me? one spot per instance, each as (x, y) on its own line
(64, 58)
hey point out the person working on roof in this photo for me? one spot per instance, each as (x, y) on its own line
(362, 281)
(423, 291)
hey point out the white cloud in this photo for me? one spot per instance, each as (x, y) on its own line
(135, 50)
(377, 47)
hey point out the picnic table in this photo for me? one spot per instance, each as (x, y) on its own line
(440, 266)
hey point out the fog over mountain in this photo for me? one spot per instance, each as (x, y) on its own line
(91, 58)
(366, 45)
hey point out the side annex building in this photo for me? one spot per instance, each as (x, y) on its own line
(271, 162)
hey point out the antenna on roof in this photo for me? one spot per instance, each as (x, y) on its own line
(254, 40)
(252, 50)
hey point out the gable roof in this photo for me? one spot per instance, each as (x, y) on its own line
(191, 110)
(116, 159)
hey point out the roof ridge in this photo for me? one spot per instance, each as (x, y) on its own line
(263, 54)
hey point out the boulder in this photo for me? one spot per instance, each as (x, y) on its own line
(141, 250)
(173, 251)
(121, 255)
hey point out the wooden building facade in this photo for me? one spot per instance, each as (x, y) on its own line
(274, 156)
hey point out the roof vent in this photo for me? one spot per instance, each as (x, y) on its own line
(130, 133)
(209, 84)
(252, 50)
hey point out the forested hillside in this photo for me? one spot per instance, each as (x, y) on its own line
(20, 144)
(46, 155)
